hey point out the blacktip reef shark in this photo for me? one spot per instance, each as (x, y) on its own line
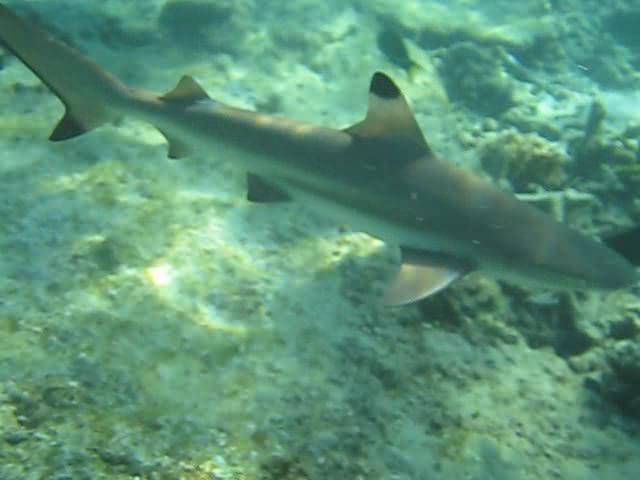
(379, 175)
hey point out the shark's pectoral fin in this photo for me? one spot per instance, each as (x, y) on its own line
(260, 190)
(388, 114)
(415, 282)
(421, 275)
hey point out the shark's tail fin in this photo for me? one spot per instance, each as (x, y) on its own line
(87, 92)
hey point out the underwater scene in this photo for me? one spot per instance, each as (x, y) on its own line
(415, 262)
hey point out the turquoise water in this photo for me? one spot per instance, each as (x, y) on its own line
(154, 324)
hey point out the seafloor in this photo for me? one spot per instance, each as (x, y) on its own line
(155, 325)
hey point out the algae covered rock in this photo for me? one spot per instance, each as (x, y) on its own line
(201, 23)
(476, 307)
(473, 76)
(391, 43)
(524, 160)
(608, 164)
(621, 385)
(623, 23)
(619, 66)
(619, 154)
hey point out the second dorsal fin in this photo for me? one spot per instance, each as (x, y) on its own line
(186, 91)
(388, 113)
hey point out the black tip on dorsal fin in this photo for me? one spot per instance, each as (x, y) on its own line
(382, 86)
(186, 91)
(389, 114)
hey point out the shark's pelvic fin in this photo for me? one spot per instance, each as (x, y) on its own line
(260, 190)
(187, 91)
(388, 114)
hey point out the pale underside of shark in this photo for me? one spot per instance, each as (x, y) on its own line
(379, 175)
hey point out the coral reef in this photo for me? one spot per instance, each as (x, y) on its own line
(526, 161)
(154, 325)
(474, 77)
(202, 24)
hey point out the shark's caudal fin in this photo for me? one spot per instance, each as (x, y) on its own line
(82, 86)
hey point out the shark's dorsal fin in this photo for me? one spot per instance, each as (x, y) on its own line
(388, 114)
(186, 91)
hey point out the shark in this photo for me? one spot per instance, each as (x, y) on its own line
(379, 175)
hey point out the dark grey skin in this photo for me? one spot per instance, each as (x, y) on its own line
(379, 175)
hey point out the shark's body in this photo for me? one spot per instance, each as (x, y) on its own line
(379, 175)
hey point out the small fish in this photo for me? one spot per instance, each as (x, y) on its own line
(379, 175)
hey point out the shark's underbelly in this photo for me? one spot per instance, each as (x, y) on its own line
(372, 224)
(470, 252)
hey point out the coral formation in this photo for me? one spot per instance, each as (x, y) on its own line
(474, 76)
(526, 161)
(154, 325)
(201, 24)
